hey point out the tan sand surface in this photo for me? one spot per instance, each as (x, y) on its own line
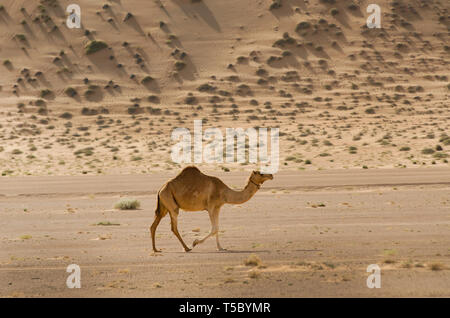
(314, 233)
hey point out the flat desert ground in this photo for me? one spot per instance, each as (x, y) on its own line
(313, 234)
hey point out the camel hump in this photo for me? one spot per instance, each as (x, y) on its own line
(191, 168)
(189, 171)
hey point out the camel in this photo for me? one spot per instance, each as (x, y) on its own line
(191, 190)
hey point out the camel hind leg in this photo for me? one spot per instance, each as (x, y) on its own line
(174, 226)
(160, 212)
(170, 204)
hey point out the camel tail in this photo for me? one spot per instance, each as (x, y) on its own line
(158, 206)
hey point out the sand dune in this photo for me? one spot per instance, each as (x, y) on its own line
(344, 96)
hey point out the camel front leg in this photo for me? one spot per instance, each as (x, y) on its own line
(219, 247)
(214, 218)
(197, 241)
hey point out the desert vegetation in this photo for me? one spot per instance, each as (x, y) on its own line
(347, 85)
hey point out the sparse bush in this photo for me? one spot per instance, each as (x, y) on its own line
(89, 151)
(436, 266)
(303, 26)
(146, 80)
(133, 110)
(440, 155)
(127, 204)
(427, 151)
(128, 17)
(254, 274)
(353, 7)
(190, 100)
(86, 111)
(45, 93)
(66, 115)
(276, 4)
(252, 260)
(206, 88)
(17, 152)
(20, 37)
(70, 91)
(95, 46)
(153, 99)
(107, 223)
(179, 65)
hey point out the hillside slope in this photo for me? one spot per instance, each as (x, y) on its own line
(342, 95)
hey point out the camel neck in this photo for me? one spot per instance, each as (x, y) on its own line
(239, 197)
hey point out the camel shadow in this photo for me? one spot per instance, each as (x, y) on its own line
(193, 251)
(230, 251)
(241, 252)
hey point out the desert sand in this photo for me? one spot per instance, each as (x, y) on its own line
(86, 116)
(312, 234)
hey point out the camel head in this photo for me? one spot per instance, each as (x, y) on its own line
(259, 178)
